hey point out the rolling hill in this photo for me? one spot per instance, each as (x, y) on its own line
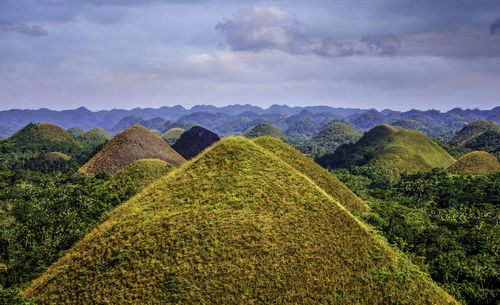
(265, 129)
(334, 135)
(473, 130)
(404, 151)
(324, 179)
(475, 163)
(251, 229)
(194, 141)
(101, 132)
(42, 138)
(172, 135)
(134, 143)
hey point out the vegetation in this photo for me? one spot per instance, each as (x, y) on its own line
(265, 129)
(213, 238)
(400, 152)
(475, 163)
(172, 135)
(137, 175)
(194, 141)
(472, 130)
(409, 124)
(447, 224)
(101, 132)
(55, 155)
(327, 181)
(133, 144)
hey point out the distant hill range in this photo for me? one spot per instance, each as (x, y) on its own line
(298, 123)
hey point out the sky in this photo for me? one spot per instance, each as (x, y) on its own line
(104, 54)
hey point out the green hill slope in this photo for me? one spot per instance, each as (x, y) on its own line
(334, 135)
(265, 129)
(403, 151)
(250, 230)
(473, 130)
(475, 163)
(137, 175)
(134, 143)
(42, 138)
(172, 135)
(324, 179)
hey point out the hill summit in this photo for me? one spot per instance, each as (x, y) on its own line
(334, 135)
(473, 130)
(475, 163)
(251, 229)
(172, 135)
(400, 151)
(134, 143)
(101, 132)
(194, 141)
(265, 129)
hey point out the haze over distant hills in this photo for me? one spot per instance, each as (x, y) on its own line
(296, 122)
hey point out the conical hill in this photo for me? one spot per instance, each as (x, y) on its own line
(265, 129)
(42, 138)
(194, 141)
(475, 163)
(473, 130)
(338, 133)
(324, 179)
(403, 151)
(236, 225)
(134, 143)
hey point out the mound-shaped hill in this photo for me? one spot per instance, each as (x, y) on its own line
(76, 131)
(336, 134)
(137, 175)
(251, 229)
(172, 135)
(473, 130)
(134, 143)
(55, 155)
(156, 132)
(409, 124)
(101, 132)
(42, 138)
(265, 129)
(404, 151)
(323, 178)
(194, 141)
(475, 163)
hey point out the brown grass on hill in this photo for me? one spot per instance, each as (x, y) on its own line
(56, 155)
(134, 143)
(475, 163)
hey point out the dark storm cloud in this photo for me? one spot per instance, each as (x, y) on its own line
(495, 26)
(260, 28)
(34, 30)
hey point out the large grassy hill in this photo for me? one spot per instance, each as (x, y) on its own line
(403, 151)
(474, 163)
(134, 143)
(250, 229)
(324, 179)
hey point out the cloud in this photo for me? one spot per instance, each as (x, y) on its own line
(495, 26)
(269, 28)
(382, 45)
(259, 28)
(34, 30)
